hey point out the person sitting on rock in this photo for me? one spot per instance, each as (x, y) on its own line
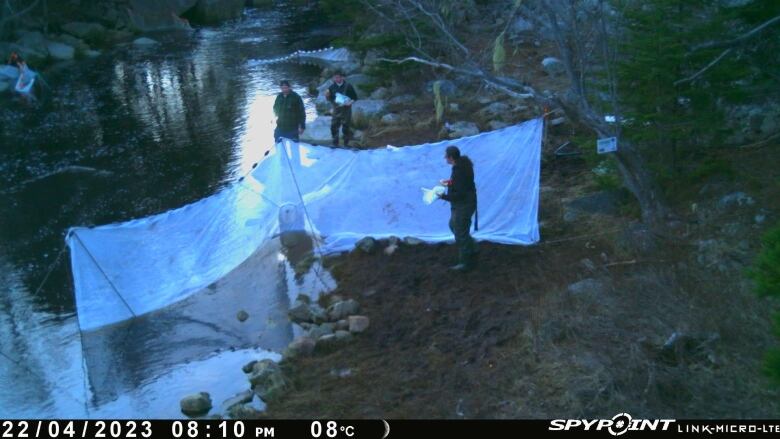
(342, 95)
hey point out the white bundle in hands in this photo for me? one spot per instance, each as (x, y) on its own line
(430, 195)
(342, 99)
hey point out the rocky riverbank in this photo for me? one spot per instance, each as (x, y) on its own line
(75, 29)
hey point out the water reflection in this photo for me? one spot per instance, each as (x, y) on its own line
(162, 127)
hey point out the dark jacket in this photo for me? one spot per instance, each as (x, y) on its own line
(290, 112)
(345, 88)
(462, 189)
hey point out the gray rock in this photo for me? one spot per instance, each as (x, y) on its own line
(520, 25)
(303, 298)
(359, 81)
(447, 87)
(300, 347)
(390, 249)
(342, 336)
(317, 331)
(267, 380)
(736, 199)
(380, 93)
(196, 405)
(89, 31)
(74, 42)
(587, 287)
(367, 244)
(760, 218)
(241, 398)
(34, 40)
(300, 312)
(461, 129)
(454, 107)
(391, 119)
(558, 121)
(92, 53)
(364, 110)
(242, 316)
(144, 42)
(496, 110)
(358, 323)
(553, 66)
(342, 325)
(341, 373)
(4, 85)
(247, 368)
(497, 125)
(394, 240)
(243, 411)
(342, 310)
(402, 99)
(318, 131)
(319, 315)
(411, 240)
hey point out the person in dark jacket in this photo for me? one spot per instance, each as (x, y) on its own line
(342, 111)
(462, 195)
(290, 113)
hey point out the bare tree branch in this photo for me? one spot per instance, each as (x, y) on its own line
(18, 14)
(707, 67)
(740, 39)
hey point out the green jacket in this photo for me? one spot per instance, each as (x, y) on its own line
(289, 111)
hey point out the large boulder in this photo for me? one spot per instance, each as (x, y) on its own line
(144, 42)
(460, 129)
(196, 405)
(360, 81)
(74, 42)
(92, 32)
(342, 310)
(358, 323)
(553, 66)
(150, 15)
(267, 380)
(60, 51)
(496, 110)
(318, 131)
(365, 110)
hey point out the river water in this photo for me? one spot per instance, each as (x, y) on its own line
(134, 132)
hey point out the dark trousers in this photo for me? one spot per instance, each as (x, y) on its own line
(460, 225)
(288, 134)
(342, 117)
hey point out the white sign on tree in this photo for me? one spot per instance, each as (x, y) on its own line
(606, 145)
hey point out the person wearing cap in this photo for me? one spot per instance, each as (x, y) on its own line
(462, 196)
(342, 111)
(290, 113)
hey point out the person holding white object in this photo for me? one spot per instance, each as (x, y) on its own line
(462, 195)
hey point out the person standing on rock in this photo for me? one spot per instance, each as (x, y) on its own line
(290, 114)
(462, 195)
(342, 95)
